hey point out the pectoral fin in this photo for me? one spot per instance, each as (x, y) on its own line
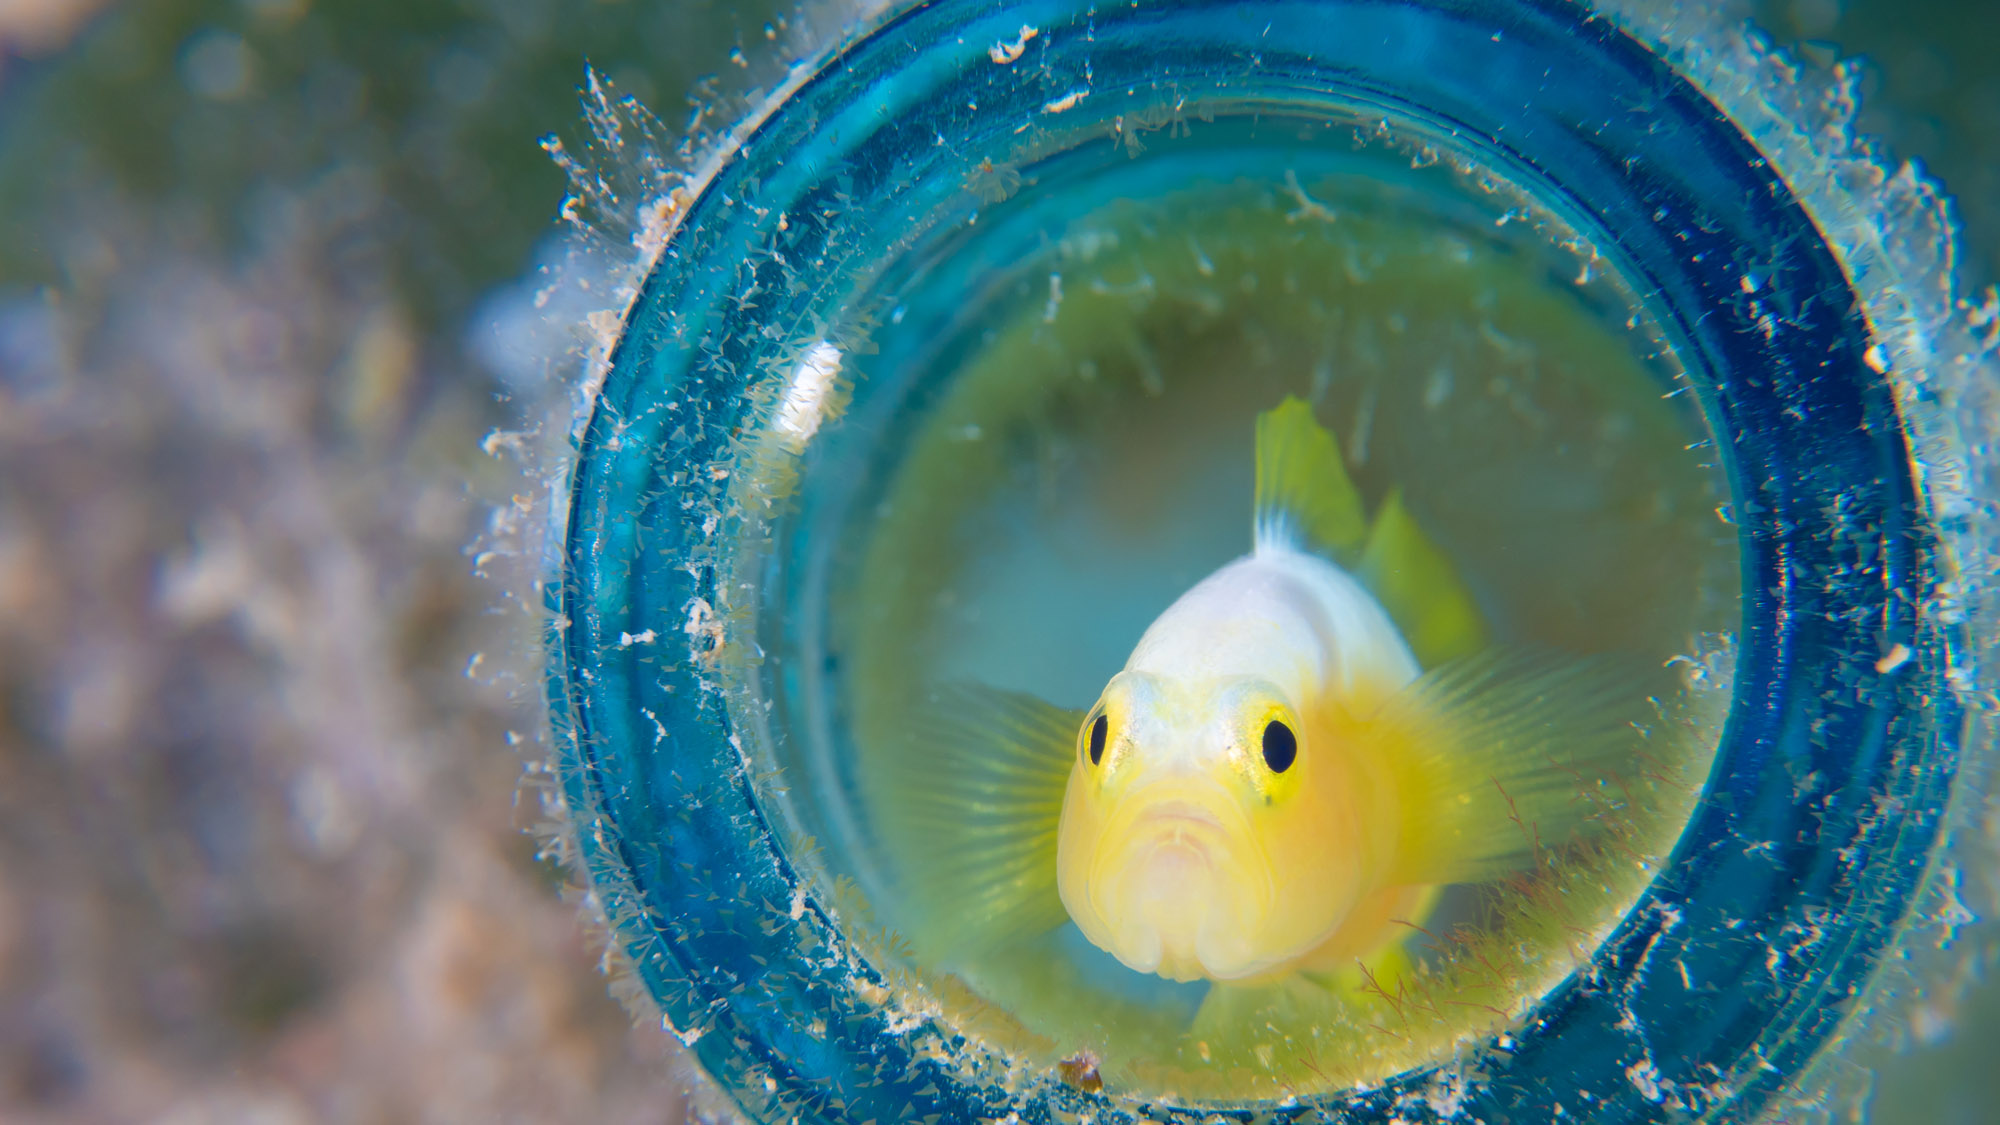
(1505, 755)
(974, 818)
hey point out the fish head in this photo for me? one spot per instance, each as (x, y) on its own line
(1197, 839)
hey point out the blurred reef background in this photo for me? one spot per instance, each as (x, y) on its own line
(261, 270)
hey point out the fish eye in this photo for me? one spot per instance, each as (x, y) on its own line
(1099, 728)
(1281, 746)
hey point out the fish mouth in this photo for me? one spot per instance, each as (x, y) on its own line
(1212, 826)
(1179, 884)
(1192, 841)
(1181, 816)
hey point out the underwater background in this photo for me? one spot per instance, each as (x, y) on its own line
(263, 267)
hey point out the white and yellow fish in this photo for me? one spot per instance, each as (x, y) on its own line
(1299, 753)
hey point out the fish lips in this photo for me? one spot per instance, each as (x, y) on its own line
(1181, 886)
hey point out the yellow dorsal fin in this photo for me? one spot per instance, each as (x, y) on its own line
(1304, 497)
(974, 816)
(1419, 587)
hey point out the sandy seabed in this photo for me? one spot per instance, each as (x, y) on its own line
(261, 853)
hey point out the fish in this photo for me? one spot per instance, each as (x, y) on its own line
(1301, 752)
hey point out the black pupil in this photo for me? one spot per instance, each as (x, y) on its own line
(1281, 746)
(1098, 729)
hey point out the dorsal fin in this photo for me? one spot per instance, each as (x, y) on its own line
(1304, 497)
(1419, 587)
(1306, 501)
(975, 815)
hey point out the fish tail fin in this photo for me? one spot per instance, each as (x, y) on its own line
(1419, 587)
(975, 826)
(1507, 755)
(1304, 496)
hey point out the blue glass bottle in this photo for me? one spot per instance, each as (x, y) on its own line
(904, 178)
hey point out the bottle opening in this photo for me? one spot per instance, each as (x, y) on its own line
(1037, 459)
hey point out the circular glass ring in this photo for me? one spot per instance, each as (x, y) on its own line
(1821, 810)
